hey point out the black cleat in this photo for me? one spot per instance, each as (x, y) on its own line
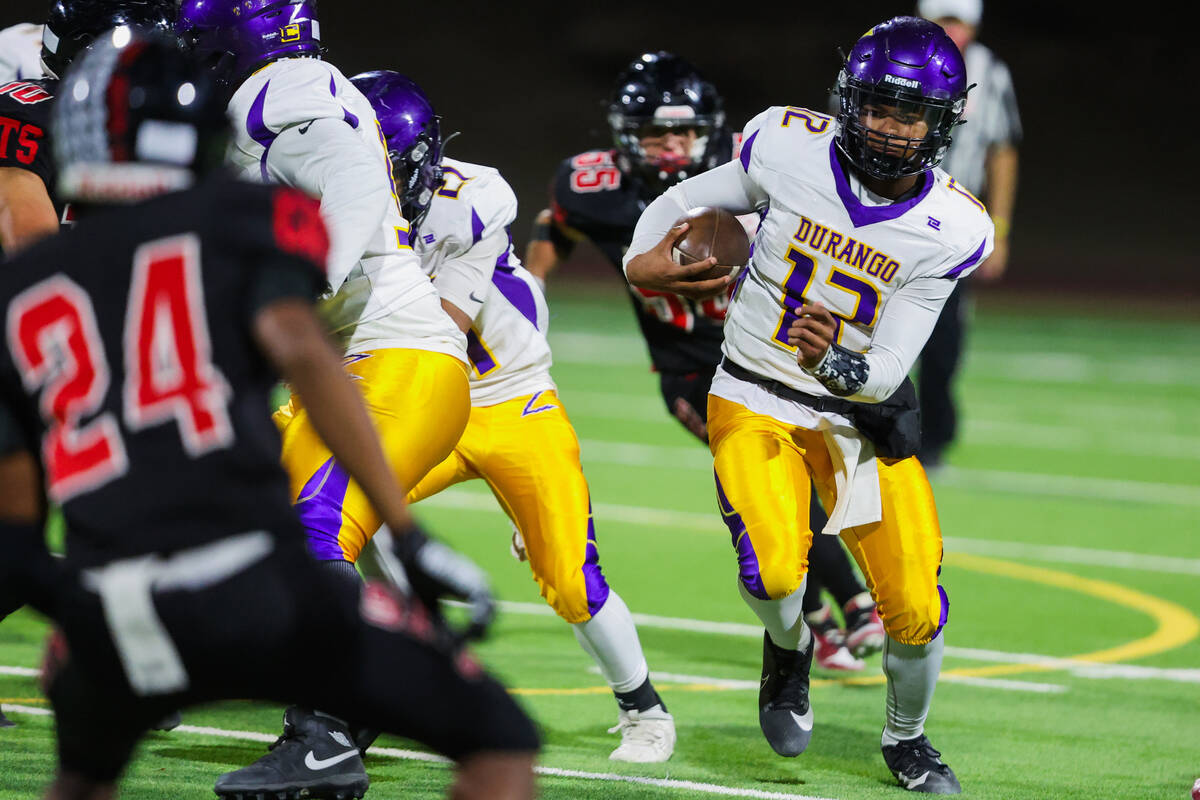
(314, 758)
(784, 712)
(5, 722)
(919, 767)
(169, 723)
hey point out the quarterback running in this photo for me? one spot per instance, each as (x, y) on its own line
(861, 242)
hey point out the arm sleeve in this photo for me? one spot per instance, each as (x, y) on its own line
(464, 279)
(471, 273)
(329, 161)
(902, 331)
(728, 186)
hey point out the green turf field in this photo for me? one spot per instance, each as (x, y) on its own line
(1070, 509)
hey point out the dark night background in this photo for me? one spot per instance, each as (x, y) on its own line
(1103, 208)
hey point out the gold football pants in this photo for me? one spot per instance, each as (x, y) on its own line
(527, 452)
(419, 401)
(763, 469)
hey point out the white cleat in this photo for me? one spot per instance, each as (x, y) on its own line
(647, 737)
(517, 546)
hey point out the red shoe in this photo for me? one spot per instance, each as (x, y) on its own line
(864, 629)
(831, 652)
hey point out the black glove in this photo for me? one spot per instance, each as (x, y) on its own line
(432, 570)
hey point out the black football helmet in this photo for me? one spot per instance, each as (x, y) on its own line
(136, 116)
(73, 24)
(657, 93)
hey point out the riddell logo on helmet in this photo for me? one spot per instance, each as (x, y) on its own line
(907, 83)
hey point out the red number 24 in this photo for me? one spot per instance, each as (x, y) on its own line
(55, 338)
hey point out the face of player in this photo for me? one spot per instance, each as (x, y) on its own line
(667, 144)
(895, 124)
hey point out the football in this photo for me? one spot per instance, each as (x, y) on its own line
(713, 232)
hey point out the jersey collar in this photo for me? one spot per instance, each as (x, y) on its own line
(861, 214)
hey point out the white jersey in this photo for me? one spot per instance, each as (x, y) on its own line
(465, 246)
(300, 122)
(21, 52)
(883, 268)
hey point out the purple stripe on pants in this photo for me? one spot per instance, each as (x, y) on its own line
(320, 511)
(945, 611)
(593, 579)
(747, 559)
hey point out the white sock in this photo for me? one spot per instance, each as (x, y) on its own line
(611, 639)
(912, 673)
(783, 618)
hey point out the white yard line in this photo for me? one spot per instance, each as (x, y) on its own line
(555, 772)
(636, 454)
(745, 685)
(1063, 366)
(469, 500)
(1082, 669)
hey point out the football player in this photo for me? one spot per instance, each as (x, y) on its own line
(141, 350)
(29, 209)
(298, 121)
(668, 124)
(862, 240)
(518, 438)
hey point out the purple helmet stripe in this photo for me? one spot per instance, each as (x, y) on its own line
(320, 510)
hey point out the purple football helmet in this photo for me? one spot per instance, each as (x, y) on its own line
(238, 36)
(909, 70)
(414, 138)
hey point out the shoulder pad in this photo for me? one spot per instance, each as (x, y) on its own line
(289, 92)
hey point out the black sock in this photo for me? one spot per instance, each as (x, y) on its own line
(640, 699)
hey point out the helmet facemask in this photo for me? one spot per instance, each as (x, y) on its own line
(417, 171)
(652, 160)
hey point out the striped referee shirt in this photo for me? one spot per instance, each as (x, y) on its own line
(991, 118)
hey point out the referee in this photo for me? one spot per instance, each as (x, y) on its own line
(983, 159)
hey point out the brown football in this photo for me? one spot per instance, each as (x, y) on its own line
(712, 232)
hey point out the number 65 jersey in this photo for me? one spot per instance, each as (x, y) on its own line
(883, 268)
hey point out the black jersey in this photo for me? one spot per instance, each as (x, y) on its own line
(593, 199)
(129, 364)
(25, 131)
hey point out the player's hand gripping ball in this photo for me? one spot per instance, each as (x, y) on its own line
(712, 232)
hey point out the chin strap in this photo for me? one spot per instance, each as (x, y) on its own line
(843, 372)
